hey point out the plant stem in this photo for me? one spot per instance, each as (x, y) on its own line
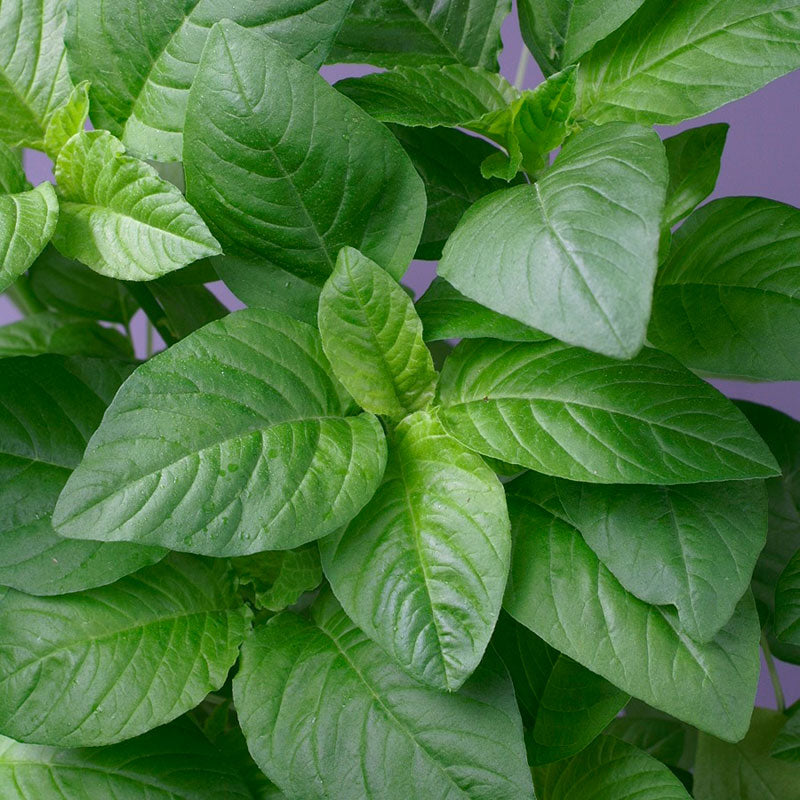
(148, 303)
(780, 700)
(23, 298)
(149, 341)
(522, 67)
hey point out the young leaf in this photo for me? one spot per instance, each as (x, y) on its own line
(391, 32)
(574, 258)
(282, 164)
(726, 301)
(372, 336)
(578, 415)
(27, 221)
(787, 603)
(409, 740)
(142, 59)
(448, 314)
(174, 762)
(678, 59)
(12, 175)
(51, 405)
(745, 770)
(564, 706)
(242, 445)
(119, 218)
(89, 668)
(423, 567)
(787, 744)
(33, 68)
(560, 590)
(608, 768)
(693, 547)
(694, 162)
(67, 120)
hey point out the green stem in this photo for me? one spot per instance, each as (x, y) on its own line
(522, 67)
(149, 341)
(148, 303)
(23, 298)
(780, 700)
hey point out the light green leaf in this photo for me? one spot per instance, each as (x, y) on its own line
(119, 218)
(559, 32)
(693, 547)
(787, 744)
(609, 769)
(12, 175)
(448, 314)
(576, 259)
(242, 445)
(564, 706)
(142, 57)
(33, 68)
(67, 120)
(372, 337)
(88, 669)
(416, 32)
(281, 164)
(694, 162)
(316, 697)
(745, 771)
(578, 415)
(423, 567)
(174, 762)
(727, 300)
(51, 406)
(678, 59)
(787, 603)
(27, 221)
(560, 590)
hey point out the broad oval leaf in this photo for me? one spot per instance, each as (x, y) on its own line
(281, 164)
(12, 174)
(560, 590)
(727, 48)
(142, 58)
(241, 441)
(415, 32)
(608, 768)
(89, 668)
(576, 259)
(27, 221)
(51, 406)
(174, 762)
(582, 416)
(372, 337)
(423, 567)
(726, 301)
(787, 603)
(409, 740)
(119, 218)
(693, 547)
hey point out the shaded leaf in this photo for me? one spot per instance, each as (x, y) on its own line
(186, 308)
(12, 175)
(787, 603)
(669, 740)
(787, 744)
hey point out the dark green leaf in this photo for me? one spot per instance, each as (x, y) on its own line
(188, 307)
(12, 175)
(787, 603)
(234, 748)
(787, 744)
(670, 741)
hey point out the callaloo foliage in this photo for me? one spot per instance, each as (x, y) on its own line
(288, 557)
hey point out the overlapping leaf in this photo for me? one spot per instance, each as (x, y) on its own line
(787, 744)
(12, 175)
(67, 120)
(787, 603)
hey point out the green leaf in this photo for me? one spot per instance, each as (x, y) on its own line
(188, 307)
(233, 746)
(27, 221)
(578, 415)
(694, 162)
(67, 120)
(448, 314)
(51, 405)
(33, 68)
(372, 336)
(119, 218)
(693, 547)
(670, 741)
(423, 567)
(726, 301)
(174, 762)
(89, 668)
(242, 445)
(745, 770)
(12, 175)
(678, 59)
(609, 769)
(297, 184)
(787, 603)
(418, 32)
(564, 706)
(142, 58)
(574, 259)
(560, 590)
(52, 332)
(559, 32)
(317, 698)
(787, 744)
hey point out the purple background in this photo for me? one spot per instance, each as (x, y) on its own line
(761, 158)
